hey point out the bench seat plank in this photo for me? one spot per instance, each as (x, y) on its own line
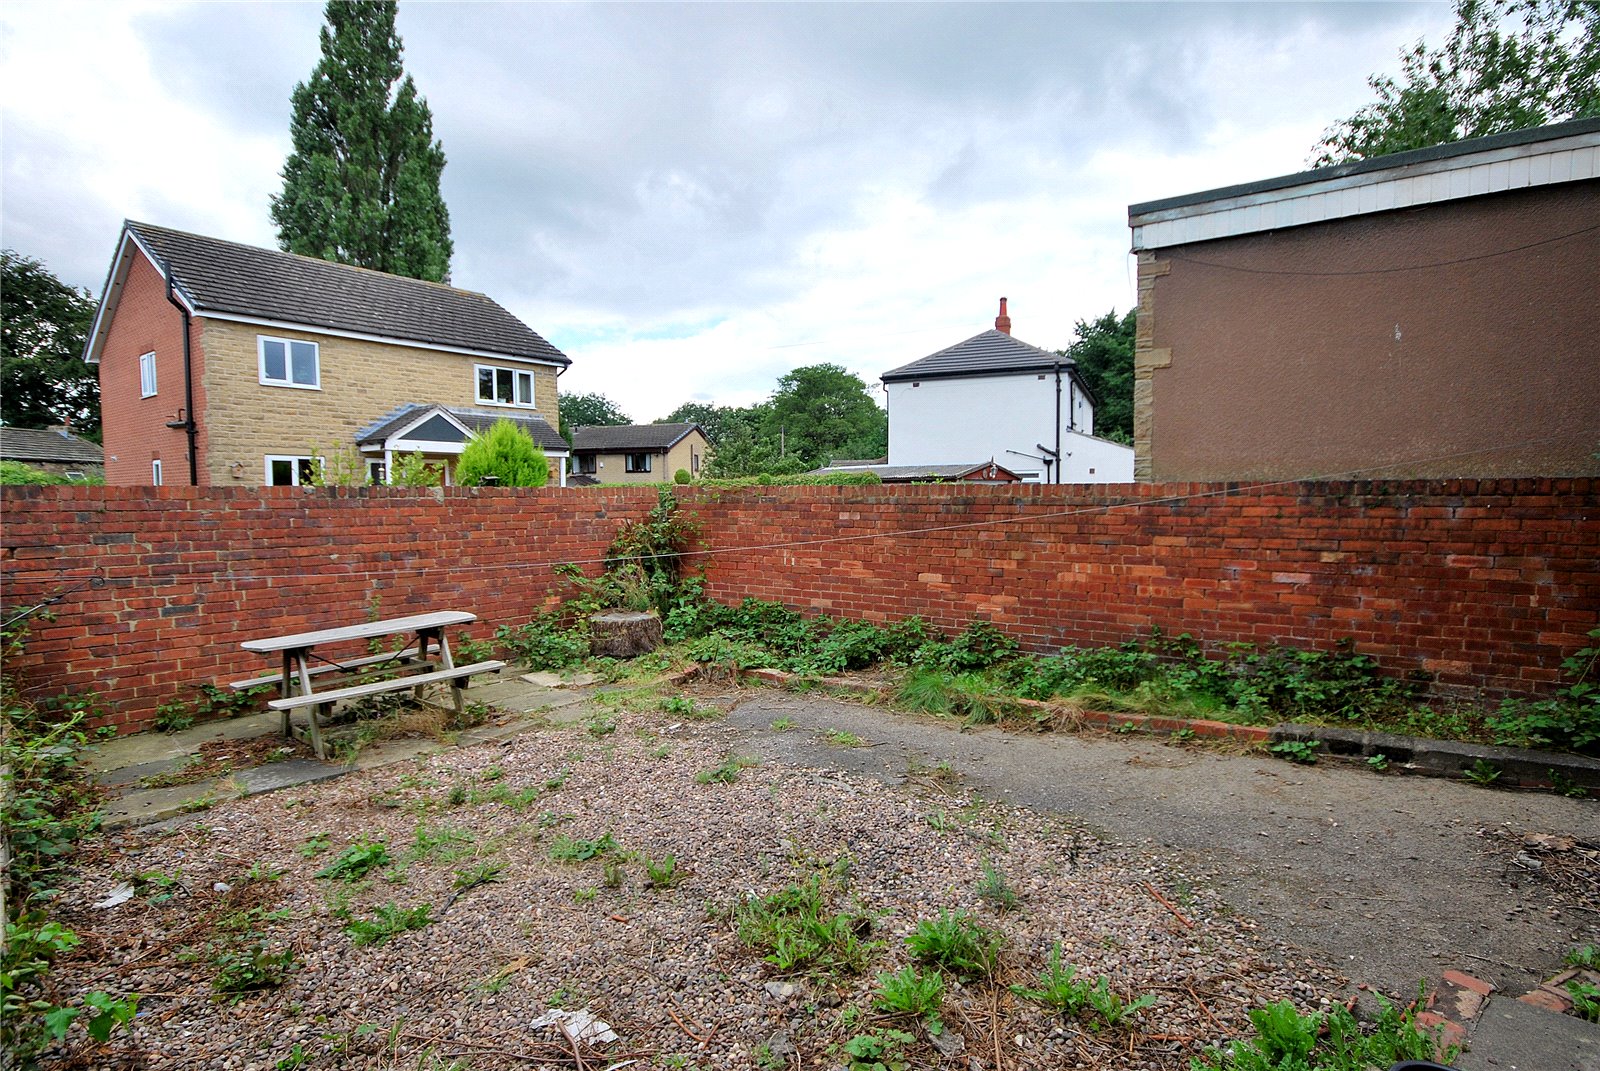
(397, 684)
(321, 668)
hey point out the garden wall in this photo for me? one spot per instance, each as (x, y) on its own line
(1486, 584)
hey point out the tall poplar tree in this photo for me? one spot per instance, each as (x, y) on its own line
(362, 184)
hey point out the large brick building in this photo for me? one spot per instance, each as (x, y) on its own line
(227, 365)
(1428, 313)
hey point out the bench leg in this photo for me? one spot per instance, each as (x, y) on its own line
(313, 715)
(456, 692)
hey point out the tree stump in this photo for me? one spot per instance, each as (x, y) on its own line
(624, 633)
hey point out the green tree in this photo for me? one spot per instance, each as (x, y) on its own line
(43, 326)
(589, 410)
(1103, 354)
(746, 450)
(505, 452)
(822, 411)
(1487, 79)
(362, 184)
(714, 420)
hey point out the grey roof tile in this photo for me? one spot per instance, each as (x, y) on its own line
(904, 473)
(48, 444)
(989, 352)
(478, 420)
(227, 277)
(613, 437)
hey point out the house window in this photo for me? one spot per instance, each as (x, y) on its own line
(289, 471)
(694, 463)
(505, 386)
(147, 375)
(377, 472)
(637, 463)
(585, 464)
(287, 362)
(155, 473)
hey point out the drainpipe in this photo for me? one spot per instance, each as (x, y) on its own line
(1058, 421)
(191, 428)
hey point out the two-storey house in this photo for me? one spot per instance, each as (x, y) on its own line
(995, 398)
(228, 365)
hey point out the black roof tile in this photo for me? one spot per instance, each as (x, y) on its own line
(982, 354)
(48, 444)
(621, 437)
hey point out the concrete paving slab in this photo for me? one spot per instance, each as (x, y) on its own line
(1513, 1036)
(132, 775)
(139, 748)
(143, 806)
(275, 775)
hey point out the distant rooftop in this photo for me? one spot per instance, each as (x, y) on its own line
(616, 438)
(48, 444)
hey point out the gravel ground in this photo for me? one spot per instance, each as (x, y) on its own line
(664, 967)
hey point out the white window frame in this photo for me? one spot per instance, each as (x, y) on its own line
(377, 471)
(516, 375)
(294, 472)
(288, 362)
(155, 472)
(147, 375)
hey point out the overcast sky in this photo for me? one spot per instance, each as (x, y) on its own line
(691, 200)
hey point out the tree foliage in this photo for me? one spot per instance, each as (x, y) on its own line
(43, 326)
(362, 184)
(821, 412)
(589, 410)
(505, 452)
(1492, 75)
(714, 420)
(1103, 354)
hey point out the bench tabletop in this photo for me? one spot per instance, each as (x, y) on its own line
(364, 631)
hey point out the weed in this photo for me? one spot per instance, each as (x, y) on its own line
(680, 705)
(1111, 1008)
(251, 970)
(387, 921)
(910, 992)
(1286, 1039)
(665, 874)
(1585, 1000)
(493, 773)
(844, 738)
(1378, 763)
(1585, 956)
(567, 849)
(879, 1051)
(585, 894)
(1183, 736)
(783, 724)
(993, 890)
(481, 874)
(938, 820)
(1058, 986)
(558, 780)
(600, 725)
(613, 874)
(296, 1058)
(356, 861)
(1482, 773)
(470, 650)
(958, 943)
(173, 717)
(798, 933)
(544, 643)
(725, 772)
(1303, 752)
(319, 843)
(1566, 786)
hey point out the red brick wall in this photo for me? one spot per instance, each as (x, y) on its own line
(1488, 584)
(136, 429)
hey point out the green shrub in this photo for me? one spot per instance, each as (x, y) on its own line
(506, 453)
(682, 477)
(544, 643)
(16, 474)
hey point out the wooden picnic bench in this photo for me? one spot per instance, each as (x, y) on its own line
(425, 662)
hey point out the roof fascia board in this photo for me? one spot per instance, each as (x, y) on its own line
(388, 340)
(116, 282)
(1344, 193)
(427, 415)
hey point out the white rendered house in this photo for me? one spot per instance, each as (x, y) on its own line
(995, 397)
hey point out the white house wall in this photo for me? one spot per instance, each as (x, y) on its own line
(954, 421)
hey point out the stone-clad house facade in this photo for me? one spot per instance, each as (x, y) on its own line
(287, 357)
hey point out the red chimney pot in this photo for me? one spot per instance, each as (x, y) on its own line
(1002, 322)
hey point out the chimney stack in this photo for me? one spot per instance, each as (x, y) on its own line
(1002, 322)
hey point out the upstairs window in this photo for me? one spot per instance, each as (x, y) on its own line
(289, 363)
(637, 463)
(147, 375)
(504, 386)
